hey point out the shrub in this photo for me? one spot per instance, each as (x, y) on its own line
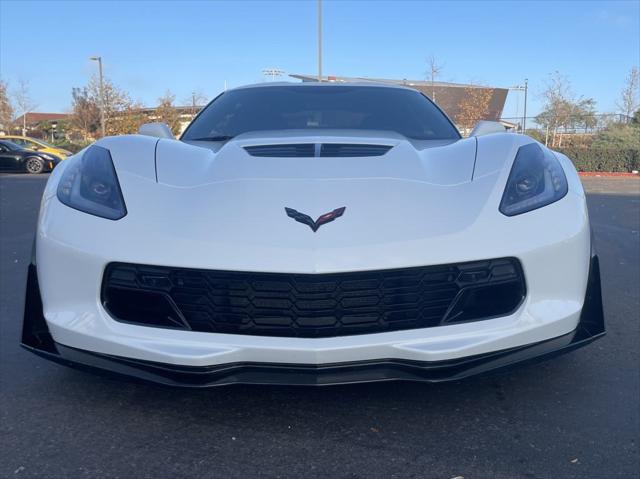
(73, 147)
(619, 136)
(603, 159)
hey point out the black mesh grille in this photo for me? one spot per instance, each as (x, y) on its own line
(320, 305)
(351, 150)
(283, 151)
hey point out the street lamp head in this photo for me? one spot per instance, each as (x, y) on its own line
(95, 59)
(273, 72)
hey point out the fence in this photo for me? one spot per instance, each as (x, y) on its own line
(580, 124)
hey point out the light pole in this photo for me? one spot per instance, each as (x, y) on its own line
(102, 124)
(319, 40)
(524, 117)
(523, 88)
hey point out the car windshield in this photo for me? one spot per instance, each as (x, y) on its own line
(10, 145)
(400, 110)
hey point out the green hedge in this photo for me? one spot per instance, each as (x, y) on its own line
(603, 159)
(67, 145)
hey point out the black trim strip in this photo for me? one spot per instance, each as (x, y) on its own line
(155, 159)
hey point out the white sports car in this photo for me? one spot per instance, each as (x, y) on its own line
(312, 234)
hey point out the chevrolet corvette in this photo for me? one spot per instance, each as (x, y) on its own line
(312, 234)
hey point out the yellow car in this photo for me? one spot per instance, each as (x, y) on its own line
(37, 145)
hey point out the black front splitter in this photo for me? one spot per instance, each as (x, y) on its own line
(36, 338)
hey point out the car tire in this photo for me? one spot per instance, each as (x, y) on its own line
(34, 165)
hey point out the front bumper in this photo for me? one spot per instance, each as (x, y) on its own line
(37, 338)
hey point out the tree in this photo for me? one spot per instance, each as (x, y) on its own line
(432, 73)
(126, 121)
(474, 105)
(562, 110)
(6, 110)
(85, 115)
(197, 100)
(122, 115)
(50, 129)
(23, 101)
(628, 102)
(168, 113)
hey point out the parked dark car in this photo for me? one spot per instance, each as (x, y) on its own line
(16, 158)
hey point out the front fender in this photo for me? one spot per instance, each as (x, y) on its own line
(132, 154)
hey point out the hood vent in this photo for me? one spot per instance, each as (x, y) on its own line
(290, 150)
(337, 150)
(327, 150)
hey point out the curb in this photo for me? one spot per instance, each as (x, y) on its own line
(609, 174)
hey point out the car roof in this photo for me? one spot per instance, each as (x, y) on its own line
(362, 84)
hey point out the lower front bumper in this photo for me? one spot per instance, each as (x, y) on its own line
(37, 338)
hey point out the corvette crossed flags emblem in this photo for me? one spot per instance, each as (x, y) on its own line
(314, 225)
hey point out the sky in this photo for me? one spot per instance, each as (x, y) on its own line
(150, 47)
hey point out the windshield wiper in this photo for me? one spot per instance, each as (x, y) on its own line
(213, 138)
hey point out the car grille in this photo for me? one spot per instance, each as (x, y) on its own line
(312, 305)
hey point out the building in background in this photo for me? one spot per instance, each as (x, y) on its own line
(45, 125)
(184, 114)
(451, 97)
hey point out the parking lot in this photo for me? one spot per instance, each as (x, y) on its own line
(575, 416)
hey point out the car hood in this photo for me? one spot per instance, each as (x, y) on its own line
(221, 200)
(434, 162)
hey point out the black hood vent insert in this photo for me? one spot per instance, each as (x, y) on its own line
(309, 150)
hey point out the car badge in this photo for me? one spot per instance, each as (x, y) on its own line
(314, 225)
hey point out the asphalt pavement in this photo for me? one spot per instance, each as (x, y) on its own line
(576, 416)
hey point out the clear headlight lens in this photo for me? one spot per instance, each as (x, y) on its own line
(536, 180)
(90, 185)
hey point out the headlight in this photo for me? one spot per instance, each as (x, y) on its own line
(90, 184)
(536, 180)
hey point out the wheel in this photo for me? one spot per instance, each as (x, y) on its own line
(34, 165)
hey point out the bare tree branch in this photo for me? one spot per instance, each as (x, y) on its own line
(432, 73)
(628, 102)
(23, 101)
(168, 113)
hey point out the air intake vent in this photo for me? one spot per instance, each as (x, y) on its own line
(312, 305)
(345, 149)
(279, 151)
(329, 150)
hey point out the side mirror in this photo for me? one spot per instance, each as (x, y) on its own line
(484, 127)
(159, 130)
